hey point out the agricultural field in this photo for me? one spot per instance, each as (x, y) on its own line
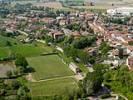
(5, 67)
(105, 4)
(54, 87)
(52, 76)
(49, 66)
(55, 5)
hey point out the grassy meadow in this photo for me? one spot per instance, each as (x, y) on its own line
(50, 66)
(54, 87)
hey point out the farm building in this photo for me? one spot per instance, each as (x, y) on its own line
(124, 11)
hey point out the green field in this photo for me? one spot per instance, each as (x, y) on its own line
(30, 49)
(54, 87)
(27, 50)
(50, 66)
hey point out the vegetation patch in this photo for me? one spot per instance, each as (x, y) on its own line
(5, 67)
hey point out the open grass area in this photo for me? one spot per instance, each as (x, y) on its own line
(9, 45)
(54, 87)
(49, 66)
(4, 67)
(27, 50)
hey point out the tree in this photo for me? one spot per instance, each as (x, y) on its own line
(15, 84)
(107, 76)
(83, 42)
(8, 43)
(104, 47)
(121, 52)
(68, 40)
(84, 57)
(101, 68)
(49, 39)
(71, 52)
(21, 62)
(9, 74)
(92, 82)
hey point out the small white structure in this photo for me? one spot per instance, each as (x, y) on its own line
(114, 62)
(73, 67)
(124, 11)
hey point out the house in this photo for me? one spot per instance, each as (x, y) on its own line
(76, 34)
(58, 35)
(62, 22)
(67, 32)
(113, 62)
(93, 51)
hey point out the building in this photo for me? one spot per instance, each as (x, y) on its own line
(124, 11)
(130, 63)
(74, 67)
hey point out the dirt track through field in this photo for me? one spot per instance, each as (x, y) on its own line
(30, 78)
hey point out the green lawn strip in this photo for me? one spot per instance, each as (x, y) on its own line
(53, 87)
(27, 50)
(50, 66)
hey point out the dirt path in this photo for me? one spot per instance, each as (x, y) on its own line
(30, 78)
(55, 78)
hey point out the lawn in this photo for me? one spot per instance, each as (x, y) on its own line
(54, 87)
(28, 50)
(50, 66)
